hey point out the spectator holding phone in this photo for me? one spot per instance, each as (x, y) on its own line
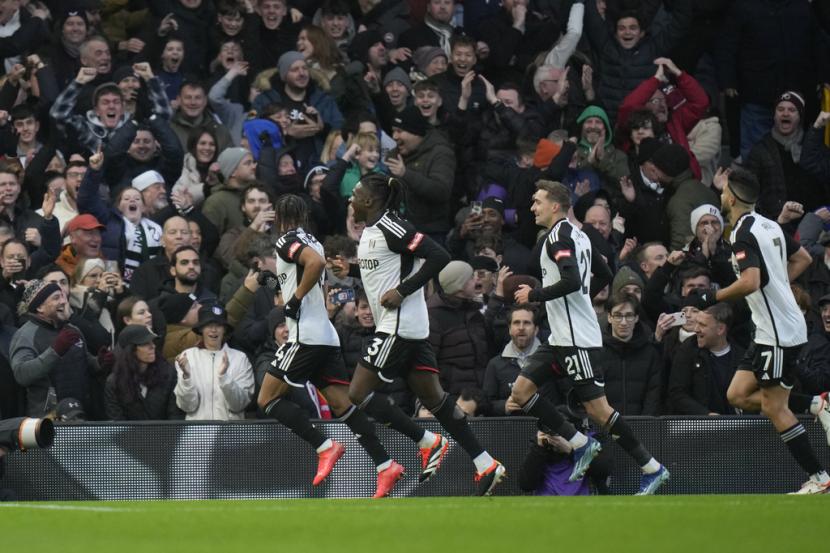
(704, 366)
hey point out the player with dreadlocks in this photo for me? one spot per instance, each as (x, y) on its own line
(395, 262)
(312, 351)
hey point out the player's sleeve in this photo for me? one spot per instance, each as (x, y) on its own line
(563, 253)
(791, 245)
(402, 238)
(746, 250)
(289, 248)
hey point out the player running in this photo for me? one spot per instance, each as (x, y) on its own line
(396, 262)
(312, 351)
(568, 262)
(765, 260)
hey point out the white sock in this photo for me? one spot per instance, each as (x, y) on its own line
(651, 467)
(821, 477)
(427, 440)
(483, 462)
(578, 440)
(325, 445)
(816, 405)
(383, 466)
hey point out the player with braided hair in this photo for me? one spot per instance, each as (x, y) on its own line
(312, 351)
(395, 262)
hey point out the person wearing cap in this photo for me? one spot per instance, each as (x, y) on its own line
(127, 235)
(759, 245)
(424, 162)
(222, 207)
(430, 61)
(215, 381)
(677, 105)
(459, 335)
(64, 54)
(181, 312)
(672, 169)
(488, 222)
(313, 111)
(48, 354)
(627, 281)
(141, 384)
(129, 84)
(776, 161)
(84, 242)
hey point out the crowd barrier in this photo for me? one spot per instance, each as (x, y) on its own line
(261, 459)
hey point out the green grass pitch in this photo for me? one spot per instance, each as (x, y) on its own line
(698, 524)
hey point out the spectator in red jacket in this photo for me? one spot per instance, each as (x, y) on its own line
(677, 101)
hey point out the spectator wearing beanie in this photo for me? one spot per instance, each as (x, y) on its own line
(671, 162)
(596, 148)
(776, 162)
(459, 335)
(294, 89)
(429, 61)
(708, 248)
(627, 281)
(397, 88)
(425, 165)
(238, 170)
(49, 353)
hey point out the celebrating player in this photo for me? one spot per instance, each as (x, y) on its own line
(568, 262)
(312, 351)
(765, 260)
(396, 262)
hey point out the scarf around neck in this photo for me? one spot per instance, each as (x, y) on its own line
(443, 30)
(790, 143)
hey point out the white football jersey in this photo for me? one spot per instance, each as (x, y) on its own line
(314, 327)
(385, 258)
(760, 242)
(572, 319)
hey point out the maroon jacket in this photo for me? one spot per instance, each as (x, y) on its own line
(681, 120)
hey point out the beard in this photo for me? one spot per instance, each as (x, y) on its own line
(186, 280)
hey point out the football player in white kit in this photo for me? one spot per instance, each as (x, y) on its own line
(395, 262)
(765, 260)
(571, 275)
(312, 351)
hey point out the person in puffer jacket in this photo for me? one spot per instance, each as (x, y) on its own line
(215, 382)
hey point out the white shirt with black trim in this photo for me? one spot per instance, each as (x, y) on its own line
(386, 258)
(314, 327)
(759, 242)
(572, 319)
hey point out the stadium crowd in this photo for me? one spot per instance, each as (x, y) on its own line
(145, 144)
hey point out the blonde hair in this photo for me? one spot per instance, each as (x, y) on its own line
(366, 140)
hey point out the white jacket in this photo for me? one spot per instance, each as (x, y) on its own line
(208, 396)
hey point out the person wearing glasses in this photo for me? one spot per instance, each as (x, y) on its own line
(630, 360)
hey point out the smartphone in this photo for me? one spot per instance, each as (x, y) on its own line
(346, 295)
(391, 154)
(475, 208)
(679, 319)
(111, 267)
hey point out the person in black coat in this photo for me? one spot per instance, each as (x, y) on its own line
(141, 384)
(814, 358)
(629, 360)
(703, 367)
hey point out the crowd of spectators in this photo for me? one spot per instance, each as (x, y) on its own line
(144, 144)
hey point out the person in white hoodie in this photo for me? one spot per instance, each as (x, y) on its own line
(215, 382)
